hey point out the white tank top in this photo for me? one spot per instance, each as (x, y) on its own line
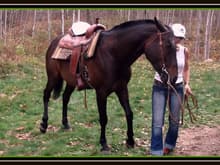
(180, 56)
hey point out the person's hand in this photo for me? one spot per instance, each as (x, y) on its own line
(187, 90)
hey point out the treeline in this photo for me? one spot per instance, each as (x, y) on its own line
(29, 31)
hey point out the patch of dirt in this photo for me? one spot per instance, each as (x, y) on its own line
(198, 141)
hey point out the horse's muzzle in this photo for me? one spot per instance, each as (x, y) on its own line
(166, 78)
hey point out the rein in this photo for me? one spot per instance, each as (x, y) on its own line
(154, 37)
(182, 104)
(179, 100)
(195, 106)
(149, 42)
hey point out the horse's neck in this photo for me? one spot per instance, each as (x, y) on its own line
(130, 49)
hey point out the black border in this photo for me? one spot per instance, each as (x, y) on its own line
(105, 2)
(111, 5)
(106, 5)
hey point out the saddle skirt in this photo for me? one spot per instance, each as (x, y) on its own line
(61, 53)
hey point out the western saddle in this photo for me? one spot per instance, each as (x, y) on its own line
(84, 51)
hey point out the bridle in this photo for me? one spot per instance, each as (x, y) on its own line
(150, 41)
(169, 84)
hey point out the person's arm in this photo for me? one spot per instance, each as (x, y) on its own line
(186, 72)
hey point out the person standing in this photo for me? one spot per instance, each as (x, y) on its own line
(161, 93)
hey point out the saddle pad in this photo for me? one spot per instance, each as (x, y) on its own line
(61, 53)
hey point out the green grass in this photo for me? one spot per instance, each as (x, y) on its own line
(21, 108)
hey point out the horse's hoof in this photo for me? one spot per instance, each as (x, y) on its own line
(106, 150)
(130, 144)
(43, 130)
(66, 127)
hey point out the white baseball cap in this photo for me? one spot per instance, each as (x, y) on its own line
(179, 30)
(80, 27)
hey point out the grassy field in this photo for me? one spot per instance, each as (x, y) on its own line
(22, 81)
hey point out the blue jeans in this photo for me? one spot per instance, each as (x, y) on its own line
(159, 102)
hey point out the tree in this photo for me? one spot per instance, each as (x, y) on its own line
(74, 16)
(197, 39)
(1, 24)
(34, 23)
(5, 27)
(62, 21)
(49, 25)
(78, 14)
(208, 29)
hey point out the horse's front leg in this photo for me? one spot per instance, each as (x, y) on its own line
(103, 119)
(122, 94)
(66, 97)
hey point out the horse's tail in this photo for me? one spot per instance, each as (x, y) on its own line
(50, 67)
(57, 89)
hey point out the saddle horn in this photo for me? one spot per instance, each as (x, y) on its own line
(93, 28)
(97, 20)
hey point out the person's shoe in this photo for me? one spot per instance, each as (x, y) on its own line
(167, 151)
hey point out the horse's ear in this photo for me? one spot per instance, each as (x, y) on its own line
(159, 25)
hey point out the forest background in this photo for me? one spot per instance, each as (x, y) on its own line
(30, 31)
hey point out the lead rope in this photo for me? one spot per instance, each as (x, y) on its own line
(180, 102)
(185, 103)
(195, 105)
(179, 99)
(85, 100)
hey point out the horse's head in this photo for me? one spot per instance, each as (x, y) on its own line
(161, 52)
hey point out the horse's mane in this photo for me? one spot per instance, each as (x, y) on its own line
(133, 22)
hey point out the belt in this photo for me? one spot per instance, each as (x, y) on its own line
(158, 83)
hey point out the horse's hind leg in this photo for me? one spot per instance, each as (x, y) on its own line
(46, 97)
(122, 94)
(66, 97)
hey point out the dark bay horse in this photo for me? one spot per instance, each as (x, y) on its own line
(109, 70)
